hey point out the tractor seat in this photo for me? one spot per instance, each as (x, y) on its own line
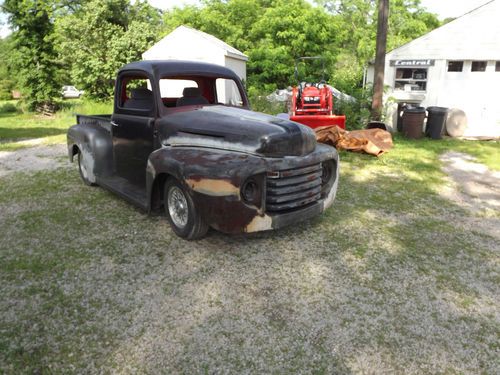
(191, 96)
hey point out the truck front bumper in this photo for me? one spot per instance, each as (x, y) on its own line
(229, 214)
(288, 186)
(280, 220)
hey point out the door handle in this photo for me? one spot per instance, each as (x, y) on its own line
(114, 123)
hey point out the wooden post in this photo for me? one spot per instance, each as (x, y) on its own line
(378, 85)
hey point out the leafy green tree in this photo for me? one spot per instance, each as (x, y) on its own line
(230, 21)
(271, 33)
(84, 42)
(100, 37)
(7, 77)
(407, 21)
(287, 30)
(357, 33)
(33, 55)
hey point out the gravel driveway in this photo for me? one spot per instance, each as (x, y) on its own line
(385, 282)
(33, 159)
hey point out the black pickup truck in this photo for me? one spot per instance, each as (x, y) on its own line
(182, 138)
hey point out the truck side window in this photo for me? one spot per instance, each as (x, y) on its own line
(228, 92)
(136, 93)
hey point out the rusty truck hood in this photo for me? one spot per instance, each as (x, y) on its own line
(236, 130)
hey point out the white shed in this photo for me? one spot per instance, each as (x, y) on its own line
(456, 65)
(186, 43)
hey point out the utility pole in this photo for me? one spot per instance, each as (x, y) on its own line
(378, 86)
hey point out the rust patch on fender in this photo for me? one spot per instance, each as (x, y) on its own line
(216, 188)
(259, 223)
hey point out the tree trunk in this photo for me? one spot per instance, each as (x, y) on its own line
(378, 86)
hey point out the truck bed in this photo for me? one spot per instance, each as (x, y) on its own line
(103, 121)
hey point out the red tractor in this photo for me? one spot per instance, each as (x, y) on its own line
(312, 103)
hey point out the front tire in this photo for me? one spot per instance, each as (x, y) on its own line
(181, 212)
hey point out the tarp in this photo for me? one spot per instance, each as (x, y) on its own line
(371, 141)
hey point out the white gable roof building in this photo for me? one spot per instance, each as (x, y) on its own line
(456, 65)
(186, 43)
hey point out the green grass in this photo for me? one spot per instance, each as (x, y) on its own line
(16, 129)
(394, 278)
(91, 283)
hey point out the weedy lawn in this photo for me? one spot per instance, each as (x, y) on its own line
(394, 278)
(18, 130)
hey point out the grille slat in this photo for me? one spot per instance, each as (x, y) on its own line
(293, 180)
(293, 204)
(299, 171)
(290, 197)
(294, 188)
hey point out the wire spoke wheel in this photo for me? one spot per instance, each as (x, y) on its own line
(178, 207)
(181, 211)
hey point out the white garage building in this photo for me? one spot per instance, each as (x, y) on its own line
(186, 43)
(456, 65)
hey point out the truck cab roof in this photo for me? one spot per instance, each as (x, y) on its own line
(165, 68)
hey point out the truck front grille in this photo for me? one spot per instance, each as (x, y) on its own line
(293, 188)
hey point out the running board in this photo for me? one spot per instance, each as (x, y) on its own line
(122, 187)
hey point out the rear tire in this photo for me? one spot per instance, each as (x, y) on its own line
(181, 212)
(85, 170)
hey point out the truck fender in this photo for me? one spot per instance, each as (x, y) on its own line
(162, 164)
(96, 146)
(215, 173)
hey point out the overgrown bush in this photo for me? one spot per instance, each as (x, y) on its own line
(6, 90)
(258, 102)
(357, 112)
(8, 108)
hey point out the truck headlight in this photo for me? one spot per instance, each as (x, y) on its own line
(251, 192)
(328, 175)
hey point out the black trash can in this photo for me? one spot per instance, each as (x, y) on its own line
(435, 122)
(413, 122)
(376, 125)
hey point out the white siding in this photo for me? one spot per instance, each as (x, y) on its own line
(184, 46)
(475, 35)
(185, 43)
(236, 66)
(472, 37)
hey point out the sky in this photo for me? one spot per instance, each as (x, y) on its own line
(451, 8)
(443, 8)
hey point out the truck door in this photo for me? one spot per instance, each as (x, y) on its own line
(133, 126)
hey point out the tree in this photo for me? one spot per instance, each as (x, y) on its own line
(271, 33)
(33, 55)
(7, 78)
(378, 87)
(287, 30)
(357, 33)
(274, 32)
(100, 37)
